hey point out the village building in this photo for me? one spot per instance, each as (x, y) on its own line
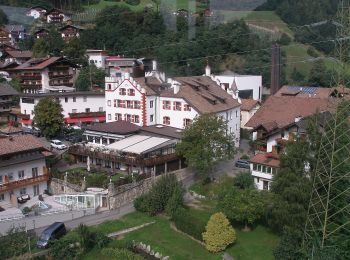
(16, 56)
(124, 146)
(36, 11)
(7, 95)
(44, 74)
(247, 86)
(41, 33)
(16, 32)
(23, 171)
(152, 100)
(5, 36)
(116, 66)
(248, 109)
(55, 16)
(282, 118)
(79, 108)
(69, 32)
(97, 57)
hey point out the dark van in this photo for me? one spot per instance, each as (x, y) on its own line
(242, 164)
(54, 231)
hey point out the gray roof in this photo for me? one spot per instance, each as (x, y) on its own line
(64, 94)
(7, 90)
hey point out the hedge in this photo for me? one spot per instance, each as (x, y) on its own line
(189, 224)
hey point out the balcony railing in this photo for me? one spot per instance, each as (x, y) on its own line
(11, 185)
(68, 84)
(60, 75)
(31, 76)
(130, 159)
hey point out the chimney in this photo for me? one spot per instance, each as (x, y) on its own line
(176, 88)
(297, 119)
(127, 75)
(207, 70)
(154, 65)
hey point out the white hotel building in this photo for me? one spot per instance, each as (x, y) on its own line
(152, 100)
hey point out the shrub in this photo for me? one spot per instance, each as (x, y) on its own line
(219, 233)
(120, 253)
(244, 180)
(188, 224)
(157, 198)
(13, 243)
(26, 210)
(285, 39)
(175, 201)
(312, 52)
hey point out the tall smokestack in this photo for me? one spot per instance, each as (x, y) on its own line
(275, 69)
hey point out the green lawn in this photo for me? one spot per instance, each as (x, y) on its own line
(257, 244)
(103, 4)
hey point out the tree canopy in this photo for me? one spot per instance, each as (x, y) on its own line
(205, 143)
(90, 76)
(48, 116)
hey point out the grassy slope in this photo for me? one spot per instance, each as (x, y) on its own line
(257, 244)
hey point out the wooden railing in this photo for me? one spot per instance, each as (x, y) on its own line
(117, 157)
(10, 185)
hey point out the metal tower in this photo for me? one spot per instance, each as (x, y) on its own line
(327, 229)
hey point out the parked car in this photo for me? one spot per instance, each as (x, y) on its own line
(74, 137)
(33, 131)
(58, 145)
(54, 231)
(242, 164)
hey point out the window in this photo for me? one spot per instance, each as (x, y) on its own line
(36, 190)
(264, 169)
(87, 110)
(166, 105)
(268, 170)
(100, 109)
(84, 98)
(2, 197)
(120, 103)
(74, 111)
(187, 107)
(129, 104)
(35, 172)
(236, 126)
(127, 117)
(151, 104)
(66, 99)
(230, 115)
(109, 103)
(74, 99)
(23, 191)
(131, 92)
(109, 86)
(166, 120)
(137, 104)
(136, 119)
(0, 179)
(177, 106)
(151, 118)
(122, 91)
(255, 167)
(10, 176)
(118, 117)
(236, 113)
(257, 179)
(20, 174)
(187, 122)
(109, 117)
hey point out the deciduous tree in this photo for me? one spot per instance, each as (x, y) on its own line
(218, 233)
(48, 116)
(205, 143)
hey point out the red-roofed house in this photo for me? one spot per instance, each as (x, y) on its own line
(248, 109)
(23, 172)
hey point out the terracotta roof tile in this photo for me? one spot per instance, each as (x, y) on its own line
(268, 159)
(40, 63)
(248, 104)
(304, 91)
(20, 143)
(20, 54)
(284, 110)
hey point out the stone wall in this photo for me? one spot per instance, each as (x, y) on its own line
(58, 186)
(129, 192)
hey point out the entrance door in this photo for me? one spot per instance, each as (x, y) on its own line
(265, 185)
(104, 202)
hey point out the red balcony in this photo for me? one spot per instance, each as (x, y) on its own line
(11, 185)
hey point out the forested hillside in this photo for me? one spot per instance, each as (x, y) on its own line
(144, 35)
(62, 4)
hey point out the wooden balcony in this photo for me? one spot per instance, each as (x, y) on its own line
(53, 75)
(11, 185)
(130, 159)
(31, 76)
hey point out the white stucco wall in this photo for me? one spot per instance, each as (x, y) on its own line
(98, 59)
(27, 168)
(245, 82)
